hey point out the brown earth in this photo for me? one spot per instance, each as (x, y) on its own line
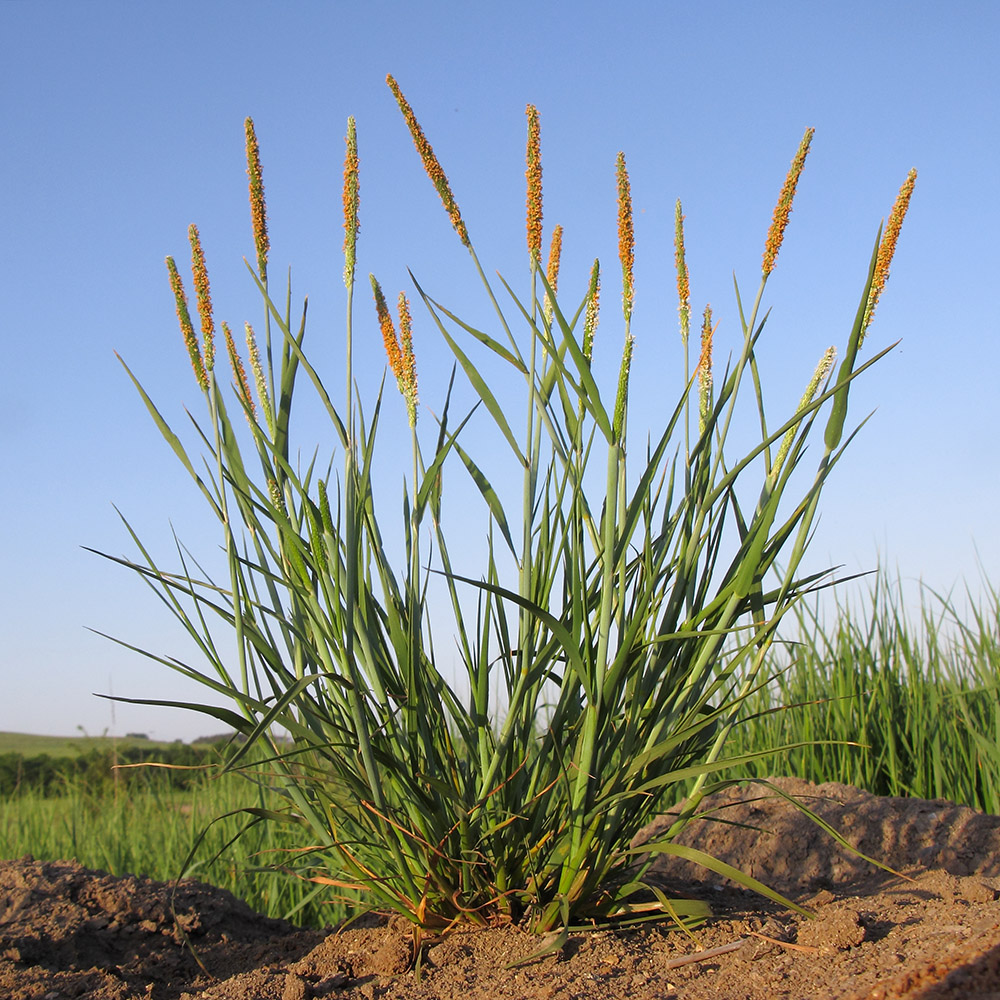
(68, 932)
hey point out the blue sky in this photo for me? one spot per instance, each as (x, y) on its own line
(122, 123)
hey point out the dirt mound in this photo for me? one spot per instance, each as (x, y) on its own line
(68, 932)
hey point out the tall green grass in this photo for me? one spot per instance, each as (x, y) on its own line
(894, 702)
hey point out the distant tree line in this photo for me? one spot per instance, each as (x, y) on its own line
(94, 771)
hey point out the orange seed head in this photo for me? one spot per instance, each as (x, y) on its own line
(887, 248)
(430, 161)
(779, 221)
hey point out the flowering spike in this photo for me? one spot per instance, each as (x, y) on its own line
(621, 399)
(239, 372)
(886, 249)
(204, 297)
(258, 376)
(324, 507)
(277, 497)
(626, 237)
(779, 221)
(430, 161)
(705, 371)
(258, 207)
(392, 348)
(683, 285)
(351, 202)
(187, 329)
(552, 270)
(819, 375)
(406, 378)
(534, 177)
(591, 316)
(317, 543)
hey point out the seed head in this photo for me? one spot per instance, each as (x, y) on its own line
(887, 247)
(203, 297)
(316, 541)
(277, 498)
(430, 161)
(591, 316)
(534, 177)
(239, 372)
(324, 507)
(552, 270)
(705, 371)
(818, 377)
(683, 286)
(392, 348)
(626, 237)
(621, 399)
(406, 379)
(258, 207)
(401, 360)
(351, 202)
(783, 209)
(258, 376)
(187, 330)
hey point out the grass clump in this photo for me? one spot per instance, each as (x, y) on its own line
(603, 674)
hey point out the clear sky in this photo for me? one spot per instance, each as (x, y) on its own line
(122, 122)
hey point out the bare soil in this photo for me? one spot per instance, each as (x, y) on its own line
(69, 932)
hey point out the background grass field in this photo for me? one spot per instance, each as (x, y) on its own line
(30, 744)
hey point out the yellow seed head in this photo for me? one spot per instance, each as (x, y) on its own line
(406, 379)
(258, 376)
(591, 316)
(534, 177)
(351, 202)
(203, 297)
(783, 209)
(887, 247)
(626, 237)
(683, 285)
(552, 270)
(818, 377)
(258, 207)
(239, 372)
(187, 329)
(705, 371)
(430, 161)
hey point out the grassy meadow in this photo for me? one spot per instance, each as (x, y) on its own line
(920, 694)
(139, 821)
